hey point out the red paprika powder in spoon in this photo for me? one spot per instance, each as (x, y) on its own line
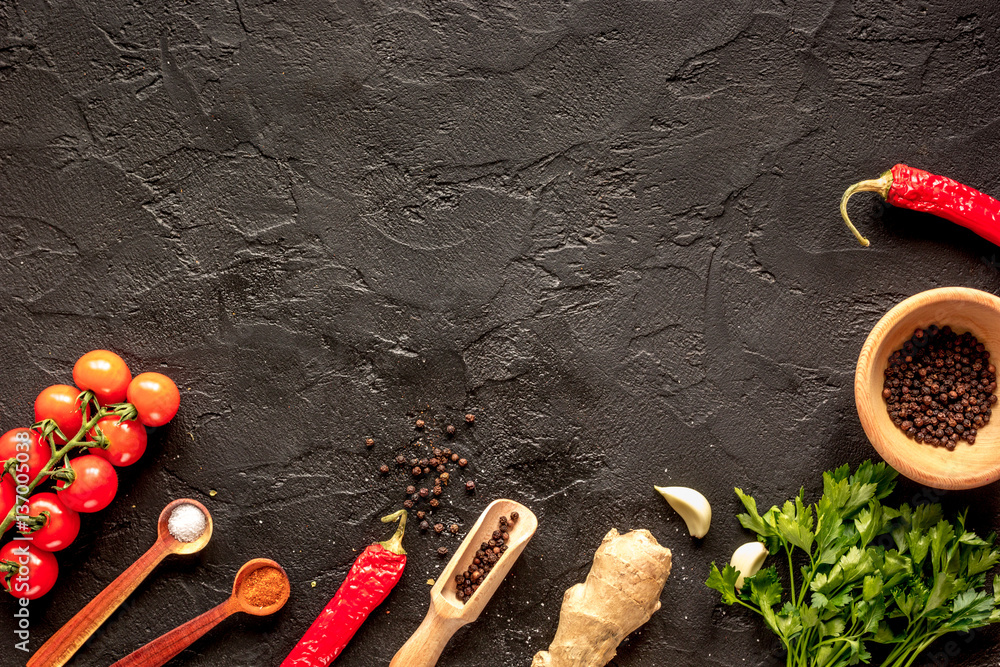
(919, 190)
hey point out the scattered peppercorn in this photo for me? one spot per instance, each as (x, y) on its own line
(463, 462)
(939, 387)
(444, 478)
(401, 460)
(421, 514)
(417, 471)
(434, 502)
(438, 491)
(442, 551)
(450, 429)
(453, 528)
(408, 504)
(420, 423)
(439, 528)
(454, 458)
(424, 526)
(424, 492)
(370, 442)
(410, 490)
(470, 418)
(384, 469)
(470, 486)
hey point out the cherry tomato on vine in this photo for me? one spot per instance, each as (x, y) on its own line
(104, 373)
(93, 489)
(28, 448)
(8, 497)
(59, 402)
(127, 441)
(62, 524)
(26, 570)
(155, 398)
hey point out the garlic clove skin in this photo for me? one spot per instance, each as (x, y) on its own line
(691, 505)
(748, 559)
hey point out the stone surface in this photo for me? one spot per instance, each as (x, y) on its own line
(609, 229)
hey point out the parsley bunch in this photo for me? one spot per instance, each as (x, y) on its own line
(867, 573)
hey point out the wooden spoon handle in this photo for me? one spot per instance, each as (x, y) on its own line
(424, 646)
(162, 649)
(61, 646)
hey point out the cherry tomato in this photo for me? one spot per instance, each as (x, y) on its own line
(37, 574)
(127, 441)
(104, 373)
(155, 398)
(8, 497)
(59, 402)
(93, 489)
(31, 452)
(62, 524)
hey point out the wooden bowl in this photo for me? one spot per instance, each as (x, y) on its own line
(963, 309)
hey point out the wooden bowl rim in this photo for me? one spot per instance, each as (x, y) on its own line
(866, 358)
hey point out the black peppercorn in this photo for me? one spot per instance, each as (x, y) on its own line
(370, 442)
(470, 486)
(449, 429)
(417, 471)
(439, 528)
(442, 551)
(420, 423)
(408, 504)
(424, 526)
(384, 469)
(401, 460)
(424, 492)
(453, 528)
(463, 462)
(434, 502)
(470, 418)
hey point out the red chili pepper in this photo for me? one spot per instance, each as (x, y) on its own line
(372, 576)
(921, 191)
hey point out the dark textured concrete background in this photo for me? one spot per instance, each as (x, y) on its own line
(608, 228)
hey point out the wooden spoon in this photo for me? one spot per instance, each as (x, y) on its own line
(161, 650)
(447, 613)
(61, 646)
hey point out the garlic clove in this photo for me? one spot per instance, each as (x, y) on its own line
(691, 505)
(748, 559)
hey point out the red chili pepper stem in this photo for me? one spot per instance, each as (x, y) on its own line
(395, 543)
(881, 185)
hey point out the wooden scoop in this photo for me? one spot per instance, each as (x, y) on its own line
(447, 613)
(61, 646)
(161, 650)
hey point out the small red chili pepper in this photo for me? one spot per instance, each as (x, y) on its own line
(921, 191)
(372, 576)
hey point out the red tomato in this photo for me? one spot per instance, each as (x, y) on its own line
(37, 574)
(62, 524)
(155, 398)
(59, 402)
(93, 489)
(31, 452)
(8, 497)
(104, 373)
(127, 441)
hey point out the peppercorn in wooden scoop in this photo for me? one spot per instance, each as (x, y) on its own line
(448, 612)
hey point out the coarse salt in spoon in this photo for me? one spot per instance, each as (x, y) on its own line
(185, 527)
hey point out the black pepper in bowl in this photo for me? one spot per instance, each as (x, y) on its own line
(939, 387)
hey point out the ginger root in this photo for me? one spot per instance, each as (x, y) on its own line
(620, 594)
